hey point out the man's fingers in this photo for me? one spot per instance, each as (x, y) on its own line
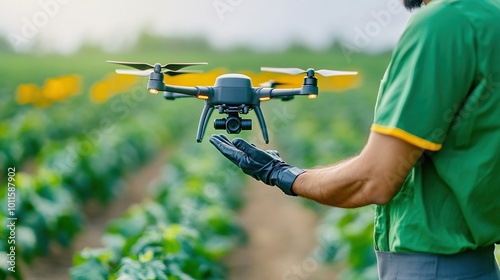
(222, 138)
(227, 148)
(223, 144)
(275, 154)
(246, 147)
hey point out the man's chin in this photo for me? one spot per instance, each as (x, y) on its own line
(412, 4)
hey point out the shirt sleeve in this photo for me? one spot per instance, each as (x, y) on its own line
(428, 78)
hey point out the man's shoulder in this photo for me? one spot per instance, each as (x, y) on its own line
(439, 14)
(455, 14)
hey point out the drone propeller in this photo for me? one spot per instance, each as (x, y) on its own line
(272, 84)
(147, 66)
(147, 72)
(296, 71)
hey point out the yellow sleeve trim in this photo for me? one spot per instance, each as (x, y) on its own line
(405, 136)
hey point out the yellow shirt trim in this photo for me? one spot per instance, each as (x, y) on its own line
(405, 136)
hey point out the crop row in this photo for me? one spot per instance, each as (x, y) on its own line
(48, 201)
(181, 232)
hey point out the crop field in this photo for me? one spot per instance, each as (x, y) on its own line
(73, 134)
(73, 149)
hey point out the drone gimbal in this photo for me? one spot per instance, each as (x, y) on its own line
(232, 94)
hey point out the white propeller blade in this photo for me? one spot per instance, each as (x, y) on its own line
(134, 72)
(291, 71)
(296, 71)
(328, 73)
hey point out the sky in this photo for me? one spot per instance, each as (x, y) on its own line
(64, 25)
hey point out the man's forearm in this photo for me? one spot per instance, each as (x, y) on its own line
(341, 185)
(374, 176)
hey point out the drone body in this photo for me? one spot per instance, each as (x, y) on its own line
(232, 94)
(233, 90)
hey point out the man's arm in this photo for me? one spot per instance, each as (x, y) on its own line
(374, 176)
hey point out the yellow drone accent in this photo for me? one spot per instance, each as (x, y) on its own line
(196, 79)
(112, 85)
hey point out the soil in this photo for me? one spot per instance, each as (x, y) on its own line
(281, 234)
(281, 239)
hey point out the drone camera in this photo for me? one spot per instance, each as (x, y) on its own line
(233, 124)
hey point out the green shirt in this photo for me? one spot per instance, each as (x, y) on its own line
(441, 92)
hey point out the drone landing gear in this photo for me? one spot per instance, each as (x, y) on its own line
(233, 124)
(262, 123)
(202, 125)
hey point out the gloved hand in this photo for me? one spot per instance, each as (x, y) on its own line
(266, 166)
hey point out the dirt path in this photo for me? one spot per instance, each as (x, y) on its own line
(282, 237)
(55, 266)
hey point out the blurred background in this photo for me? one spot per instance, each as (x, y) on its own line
(110, 182)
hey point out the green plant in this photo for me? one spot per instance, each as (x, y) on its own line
(182, 232)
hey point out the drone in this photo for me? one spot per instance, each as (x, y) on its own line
(232, 94)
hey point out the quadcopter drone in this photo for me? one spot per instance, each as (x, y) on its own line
(232, 94)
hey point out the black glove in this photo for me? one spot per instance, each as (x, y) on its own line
(266, 166)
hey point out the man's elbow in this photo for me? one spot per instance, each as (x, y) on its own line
(379, 192)
(381, 199)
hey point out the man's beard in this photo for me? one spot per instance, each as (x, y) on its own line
(412, 4)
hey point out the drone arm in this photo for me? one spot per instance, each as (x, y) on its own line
(156, 84)
(284, 92)
(262, 123)
(202, 125)
(193, 91)
(173, 96)
(272, 92)
(309, 88)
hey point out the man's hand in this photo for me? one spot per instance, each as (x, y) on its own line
(266, 166)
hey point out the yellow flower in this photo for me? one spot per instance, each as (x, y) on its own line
(58, 89)
(27, 94)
